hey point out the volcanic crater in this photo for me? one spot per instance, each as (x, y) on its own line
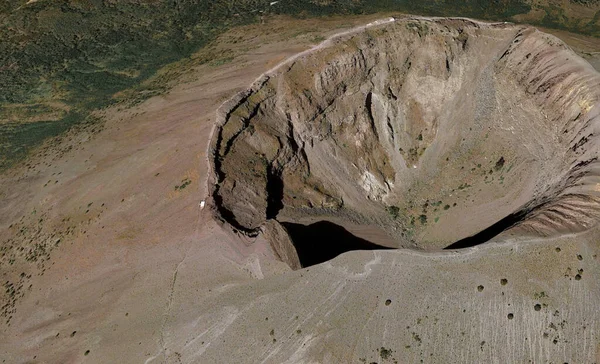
(412, 133)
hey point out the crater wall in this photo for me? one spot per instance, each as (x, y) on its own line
(431, 130)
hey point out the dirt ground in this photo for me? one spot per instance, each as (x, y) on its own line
(128, 253)
(125, 228)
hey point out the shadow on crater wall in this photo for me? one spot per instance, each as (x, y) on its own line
(490, 232)
(322, 241)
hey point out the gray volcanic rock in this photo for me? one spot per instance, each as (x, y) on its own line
(430, 130)
(497, 303)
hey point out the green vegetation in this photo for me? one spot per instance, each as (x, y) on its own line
(385, 353)
(220, 62)
(483, 9)
(184, 183)
(464, 186)
(394, 211)
(499, 164)
(62, 59)
(422, 30)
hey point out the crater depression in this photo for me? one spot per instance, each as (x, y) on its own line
(420, 133)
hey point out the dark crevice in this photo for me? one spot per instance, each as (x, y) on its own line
(390, 128)
(506, 53)
(369, 109)
(581, 142)
(368, 105)
(391, 94)
(490, 232)
(322, 241)
(274, 192)
(291, 137)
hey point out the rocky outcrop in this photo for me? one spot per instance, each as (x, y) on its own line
(282, 245)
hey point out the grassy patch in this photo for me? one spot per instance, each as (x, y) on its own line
(16, 139)
(80, 54)
(394, 211)
(184, 183)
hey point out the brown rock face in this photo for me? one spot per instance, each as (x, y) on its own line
(281, 243)
(429, 130)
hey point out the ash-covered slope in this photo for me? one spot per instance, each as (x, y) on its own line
(429, 130)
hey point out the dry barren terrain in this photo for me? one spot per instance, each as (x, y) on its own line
(111, 251)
